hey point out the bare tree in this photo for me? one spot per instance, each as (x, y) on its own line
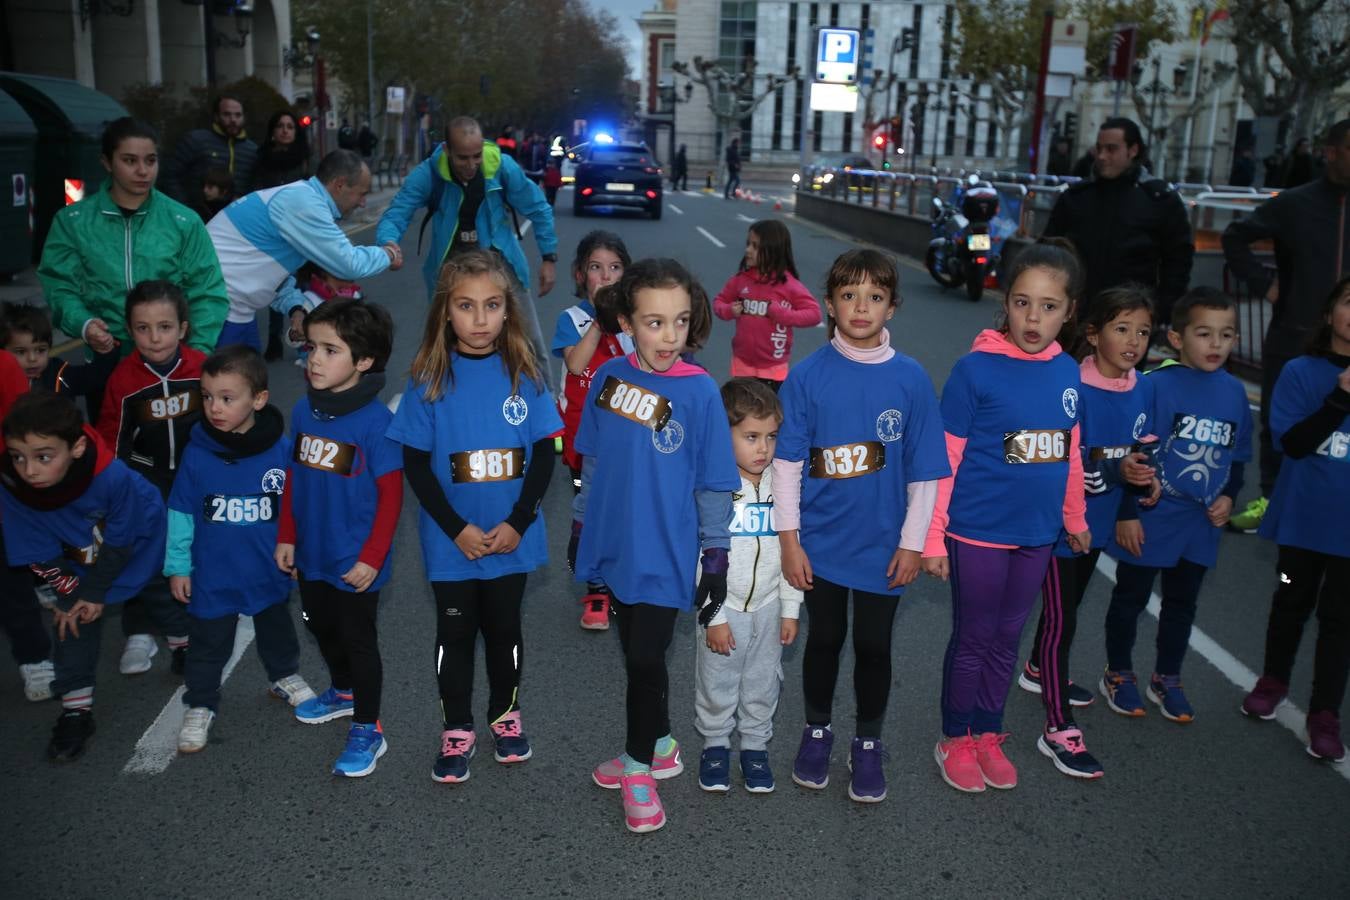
(731, 95)
(1291, 57)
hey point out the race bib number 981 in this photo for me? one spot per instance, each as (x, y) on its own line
(1213, 432)
(479, 466)
(247, 510)
(325, 455)
(848, 460)
(1036, 446)
(633, 402)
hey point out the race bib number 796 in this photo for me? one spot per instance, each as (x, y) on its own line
(1036, 446)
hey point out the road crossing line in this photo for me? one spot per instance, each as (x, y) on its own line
(1287, 714)
(159, 745)
(703, 231)
(675, 209)
(744, 218)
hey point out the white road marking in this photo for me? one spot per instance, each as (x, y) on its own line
(703, 231)
(675, 209)
(159, 745)
(744, 218)
(689, 193)
(1287, 714)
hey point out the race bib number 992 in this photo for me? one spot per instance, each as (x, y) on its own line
(327, 456)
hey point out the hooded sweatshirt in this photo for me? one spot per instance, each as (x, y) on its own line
(769, 311)
(755, 573)
(1012, 426)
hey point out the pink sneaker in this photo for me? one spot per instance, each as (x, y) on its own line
(998, 772)
(608, 774)
(595, 612)
(956, 761)
(642, 811)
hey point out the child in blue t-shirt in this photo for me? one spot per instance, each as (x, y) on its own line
(656, 493)
(89, 527)
(584, 347)
(344, 490)
(1010, 409)
(1115, 471)
(477, 425)
(223, 514)
(1310, 417)
(1204, 426)
(861, 442)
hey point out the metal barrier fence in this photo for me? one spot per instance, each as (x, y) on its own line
(1209, 208)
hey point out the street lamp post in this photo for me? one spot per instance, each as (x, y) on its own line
(939, 107)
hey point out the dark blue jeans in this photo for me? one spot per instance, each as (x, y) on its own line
(1180, 593)
(21, 617)
(212, 642)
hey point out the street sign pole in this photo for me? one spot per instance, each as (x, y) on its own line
(1038, 117)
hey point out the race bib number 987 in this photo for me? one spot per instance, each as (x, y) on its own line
(1036, 446)
(157, 409)
(633, 402)
(1213, 432)
(325, 455)
(848, 460)
(479, 466)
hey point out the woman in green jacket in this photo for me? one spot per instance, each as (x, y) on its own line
(127, 232)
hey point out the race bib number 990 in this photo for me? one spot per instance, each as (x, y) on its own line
(1036, 446)
(225, 510)
(157, 409)
(1213, 432)
(633, 402)
(848, 460)
(479, 466)
(325, 455)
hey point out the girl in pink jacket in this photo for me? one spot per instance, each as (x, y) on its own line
(767, 300)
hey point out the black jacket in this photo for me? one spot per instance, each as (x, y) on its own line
(203, 149)
(1305, 222)
(1131, 228)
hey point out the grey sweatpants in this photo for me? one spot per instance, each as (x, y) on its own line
(740, 692)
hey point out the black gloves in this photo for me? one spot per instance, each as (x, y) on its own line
(712, 586)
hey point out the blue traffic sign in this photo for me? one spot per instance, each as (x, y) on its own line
(837, 55)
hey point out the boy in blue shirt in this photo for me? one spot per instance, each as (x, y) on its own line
(343, 494)
(223, 514)
(1204, 424)
(86, 524)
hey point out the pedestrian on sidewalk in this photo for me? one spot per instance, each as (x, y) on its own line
(679, 171)
(225, 144)
(733, 157)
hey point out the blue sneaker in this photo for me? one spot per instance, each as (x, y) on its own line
(812, 766)
(457, 748)
(331, 704)
(866, 782)
(755, 772)
(511, 745)
(365, 745)
(1121, 690)
(714, 766)
(1165, 690)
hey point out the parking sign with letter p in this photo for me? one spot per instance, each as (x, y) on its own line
(837, 55)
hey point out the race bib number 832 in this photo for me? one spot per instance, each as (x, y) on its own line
(848, 460)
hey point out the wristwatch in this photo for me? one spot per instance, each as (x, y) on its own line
(549, 257)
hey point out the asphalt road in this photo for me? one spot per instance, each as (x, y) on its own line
(1222, 807)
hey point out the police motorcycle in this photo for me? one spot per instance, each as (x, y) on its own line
(962, 249)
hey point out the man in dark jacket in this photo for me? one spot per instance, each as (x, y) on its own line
(1126, 225)
(224, 145)
(1310, 226)
(733, 167)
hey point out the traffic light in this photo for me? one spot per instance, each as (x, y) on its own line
(879, 141)
(306, 120)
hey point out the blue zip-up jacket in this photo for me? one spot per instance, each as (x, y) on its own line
(506, 185)
(263, 238)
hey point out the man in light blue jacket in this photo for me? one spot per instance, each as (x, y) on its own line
(264, 237)
(474, 194)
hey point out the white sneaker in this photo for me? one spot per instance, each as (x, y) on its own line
(37, 680)
(293, 689)
(136, 655)
(196, 725)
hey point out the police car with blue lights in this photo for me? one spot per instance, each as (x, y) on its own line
(614, 173)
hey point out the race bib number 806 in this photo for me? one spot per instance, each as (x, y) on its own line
(633, 402)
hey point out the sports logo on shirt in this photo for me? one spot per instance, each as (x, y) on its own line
(1138, 429)
(889, 426)
(1070, 400)
(669, 438)
(274, 481)
(515, 409)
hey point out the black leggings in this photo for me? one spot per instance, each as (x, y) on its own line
(873, 616)
(1065, 583)
(464, 608)
(1180, 594)
(343, 622)
(1310, 580)
(645, 632)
